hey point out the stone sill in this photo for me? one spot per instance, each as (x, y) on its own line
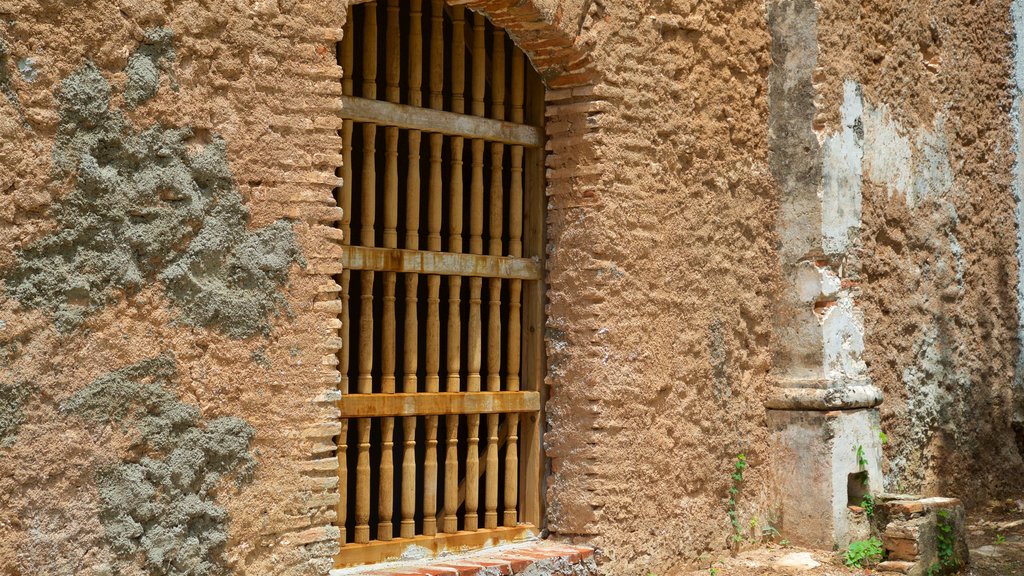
(536, 557)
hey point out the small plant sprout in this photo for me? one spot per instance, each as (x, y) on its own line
(768, 532)
(868, 504)
(946, 541)
(883, 437)
(737, 478)
(1000, 539)
(863, 552)
(862, 462)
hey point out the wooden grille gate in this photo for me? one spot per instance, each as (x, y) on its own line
(484, 427)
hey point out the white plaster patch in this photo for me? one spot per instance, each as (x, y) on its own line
(933, 175)
(887, 155)
(809, 282)
(911, 163)
(842, 155)
(1017, 15)
(843, 341)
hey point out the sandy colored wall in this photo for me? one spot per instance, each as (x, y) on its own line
(938, 273)
(657, 340)
(660, 287)
(160, 351)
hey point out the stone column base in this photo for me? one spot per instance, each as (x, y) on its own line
(824, 463)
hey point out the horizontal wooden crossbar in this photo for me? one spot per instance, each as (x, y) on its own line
(437, 403)
(380, 551)
(442, 263)
(385, 113)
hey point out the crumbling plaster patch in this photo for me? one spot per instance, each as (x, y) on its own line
(159, 504)
(147, 208)
(145, 64)
(870, 146)
(12, 398)
(914, 166)
(1017, 17)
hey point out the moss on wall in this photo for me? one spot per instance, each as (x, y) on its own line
(160, 508)
(146, 208)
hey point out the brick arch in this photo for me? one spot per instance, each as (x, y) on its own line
(572, 105)
(552, 52)
(571, 100)
(575, 179)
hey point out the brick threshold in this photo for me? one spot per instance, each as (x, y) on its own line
(534, 556)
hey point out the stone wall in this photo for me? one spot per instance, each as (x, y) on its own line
(167, 320)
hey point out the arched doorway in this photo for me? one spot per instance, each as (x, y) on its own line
(442, 313)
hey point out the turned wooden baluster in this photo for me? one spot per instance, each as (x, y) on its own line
(476, 246)
(412, 242)
(347, 62)
(515, 248)
(366, 237)
(433, 359)
(389, 279)
(494, 284)
(386, 483)
(453, 384)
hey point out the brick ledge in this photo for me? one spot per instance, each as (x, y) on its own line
(538, 557)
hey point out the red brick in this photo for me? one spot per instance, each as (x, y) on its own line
(516, 562)
(901, 548)
(471, 568)
(436, 570)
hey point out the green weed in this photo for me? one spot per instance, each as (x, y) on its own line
(863, 552)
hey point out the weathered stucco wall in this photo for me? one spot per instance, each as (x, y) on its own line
(160, 211)
(178, 388)
(660, 287)
(934, 149)
(658, 340)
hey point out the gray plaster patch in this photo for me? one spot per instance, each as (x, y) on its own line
(842, 154)
(12, 398)
(931, 404)
(145, 209)
(718, 356)
(145, 64)
(159, 509)
(260, 358)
